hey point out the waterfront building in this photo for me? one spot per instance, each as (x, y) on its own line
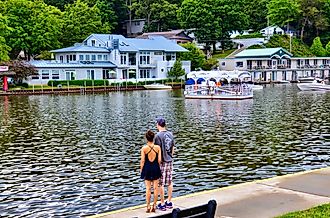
(111, 57)
(276, 64)
(179, 36)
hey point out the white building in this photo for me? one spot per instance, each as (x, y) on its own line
(272, 30)
(276, 64)
(111, 57)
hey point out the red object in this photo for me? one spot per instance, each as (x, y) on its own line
(5, 83)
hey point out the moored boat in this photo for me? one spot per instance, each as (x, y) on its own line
(157, 86)
(218, 85)
(313, 87)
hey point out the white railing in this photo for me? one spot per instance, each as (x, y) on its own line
(226, 90)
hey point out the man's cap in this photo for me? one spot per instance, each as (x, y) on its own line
(161, 121)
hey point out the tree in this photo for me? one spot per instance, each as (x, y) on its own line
(317, 47)
(282, 12)
(34, 25)
(327, 49)
(60, 4)
(212, 20)
(176, 70)
(210, 64)
(22, 70)
(255, 9)
(194, 54)
(4, 48)
(80, 21)
(160, 15)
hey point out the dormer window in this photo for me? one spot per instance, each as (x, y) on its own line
(93, 42)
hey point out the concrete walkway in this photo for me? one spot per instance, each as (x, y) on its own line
(263, 198)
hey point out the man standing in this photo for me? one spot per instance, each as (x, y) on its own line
(165, 140)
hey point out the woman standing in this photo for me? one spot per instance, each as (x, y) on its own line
(150, 168)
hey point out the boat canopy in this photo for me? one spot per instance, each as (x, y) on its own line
(218, 75)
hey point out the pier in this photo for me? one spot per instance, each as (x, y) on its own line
(263, 198)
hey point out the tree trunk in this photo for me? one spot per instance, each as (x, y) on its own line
(302, 30)
(214, 47)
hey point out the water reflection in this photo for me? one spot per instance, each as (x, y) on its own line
(79, 154)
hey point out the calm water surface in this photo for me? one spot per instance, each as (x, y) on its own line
(76, 155)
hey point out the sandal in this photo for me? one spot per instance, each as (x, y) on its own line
(153, 210)
(148, 209)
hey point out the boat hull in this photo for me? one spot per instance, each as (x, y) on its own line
(313, 87)
(219, 97)
(157, 87)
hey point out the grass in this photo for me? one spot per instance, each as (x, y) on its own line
(315, 212)
(219, 54)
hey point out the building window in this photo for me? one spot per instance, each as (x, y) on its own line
(109, 74)
(81, 57)
(324, 61)
(306, 62)
(145, 73)
(55, 74)
(223, 64)
(61, 59)
(35, 77)
(90, 74)
(93, 42)
(158, 53)
(105, 57)
(87, 58)
(315, 62)
(249, 64)
(123, 59)
(259, 63)
(137, 23)
(99, 57)
(239, 64)
(170, 56)
(144, 58)
(269, 63)
(124, 74)
(93, 57)
(132, 59)
(45, 74)
(298, 62)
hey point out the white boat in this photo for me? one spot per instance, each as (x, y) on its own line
(157, 86)
(257, 87)
(210, 85)
(313, 87)
(306, 79)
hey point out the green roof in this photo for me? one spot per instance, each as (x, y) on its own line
(262, 52)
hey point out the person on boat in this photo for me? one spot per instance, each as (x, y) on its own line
(151, 157)
(165, 139)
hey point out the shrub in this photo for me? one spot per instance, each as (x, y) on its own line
(78, 82)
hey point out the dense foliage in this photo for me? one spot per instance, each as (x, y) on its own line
(176, 71)
(22, 70)
(33, 26)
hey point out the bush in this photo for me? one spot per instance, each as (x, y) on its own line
(250, 36)
(78, 82)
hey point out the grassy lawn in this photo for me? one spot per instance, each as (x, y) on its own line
(315, 212)
(219, 54)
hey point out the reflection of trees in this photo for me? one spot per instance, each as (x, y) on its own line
(19, 119)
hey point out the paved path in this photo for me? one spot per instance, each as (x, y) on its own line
(263, 198)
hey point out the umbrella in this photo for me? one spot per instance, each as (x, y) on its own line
(190, 82)
(200, 80)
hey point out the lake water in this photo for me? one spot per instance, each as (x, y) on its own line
(77, 155)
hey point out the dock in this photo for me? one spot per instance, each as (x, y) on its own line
(263, 198)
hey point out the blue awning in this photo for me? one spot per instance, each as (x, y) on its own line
(190, 81)
(200, 80)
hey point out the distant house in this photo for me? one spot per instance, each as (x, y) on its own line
(236, 33)
(179, 36)
(272, 30)
(133, 27)
(111, 57)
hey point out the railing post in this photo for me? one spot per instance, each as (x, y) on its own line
(52, 86)
(68, 84)
(211, 207)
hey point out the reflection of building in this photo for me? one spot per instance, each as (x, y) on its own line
(179, 36)
(112, 57)
(276, 64)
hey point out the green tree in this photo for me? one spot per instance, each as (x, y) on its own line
(160, 15)
(59, 3)
(176, 70)
(255, 9)
(212, 20)
(80, 21)
(34, 25)
(4, 48)
(194, 54)
(22, 70)
(317, 48)
(327, 49)
(283, 12)
(210, 64)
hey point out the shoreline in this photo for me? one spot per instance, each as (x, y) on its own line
(231, 195)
